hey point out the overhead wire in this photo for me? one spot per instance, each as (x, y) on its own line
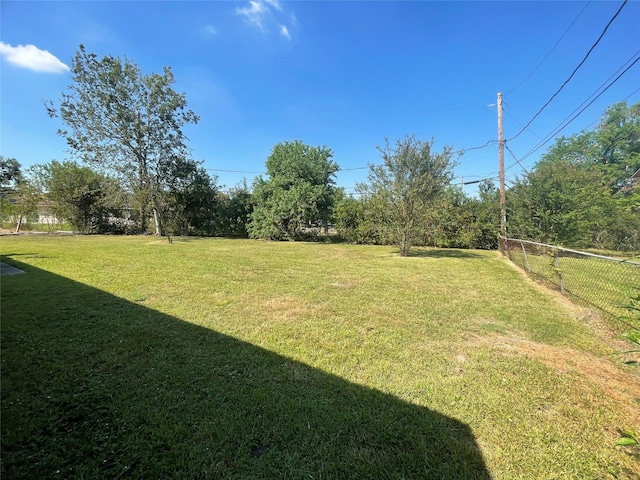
(623, 100)
(566, 123)
(233, 171)
(516, 159)
(549, 52)
(514, 116)
(462, 151)
(572, 73)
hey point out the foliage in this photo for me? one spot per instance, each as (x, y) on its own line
(580, 193)
(355, 221)
(460, 221)
(234, 212)
(78, 194)
(190, 200)
(402, 190)
(10, 173)
(298, 193)
(568, 202)
(127, 123)
(10, 178)
(19, 196)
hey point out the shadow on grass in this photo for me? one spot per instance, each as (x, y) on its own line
(442, 253)
(94, 386)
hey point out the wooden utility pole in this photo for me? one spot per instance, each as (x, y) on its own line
(503, 200)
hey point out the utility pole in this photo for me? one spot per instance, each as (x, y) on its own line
(503, 200)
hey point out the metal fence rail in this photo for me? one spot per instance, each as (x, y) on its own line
(599, 281)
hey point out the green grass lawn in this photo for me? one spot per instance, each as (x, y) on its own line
(128, 357)
(596, 281)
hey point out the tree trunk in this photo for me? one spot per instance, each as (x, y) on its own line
(19, 223)
(156, 219)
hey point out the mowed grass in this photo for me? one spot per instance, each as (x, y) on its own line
(128, 357)
(603, 283)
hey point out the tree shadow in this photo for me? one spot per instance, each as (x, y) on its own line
(94, 386)
(442, 253)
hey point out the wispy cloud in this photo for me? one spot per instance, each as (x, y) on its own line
(274, 3)
(32, 58)
(266, 15)
(210, 30)
(284, 31)
(255, 13)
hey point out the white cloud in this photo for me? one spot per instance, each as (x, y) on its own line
(266, 15)
(284, 31)
(254, 13)
(274, 3)
(32, 58)
(210, 30)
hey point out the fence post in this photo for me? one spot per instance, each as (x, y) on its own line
(504, 246)
(526, 259)
(556, 262)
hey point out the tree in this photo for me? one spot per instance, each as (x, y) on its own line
(618, 143)
(10, 178)
(299, 192)
(126, 122)
(579, 193)
(355, 221)
(19, 195)
(190, 200)
(234, 212)
(78, 194)
(402, 190)
(27, 196)
(10, 173)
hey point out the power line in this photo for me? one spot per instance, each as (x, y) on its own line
(355, 168)
(233, 171)
(479, 147)
(563, 126)
(572, 73)
(623, 100)
(515, 158)
(549, 52)
(514, 115)
(462, 151)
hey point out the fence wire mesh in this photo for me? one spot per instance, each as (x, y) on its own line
(595, 280)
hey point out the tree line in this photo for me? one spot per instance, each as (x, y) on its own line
(131, 172)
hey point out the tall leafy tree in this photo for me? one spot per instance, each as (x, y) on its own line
(10, 178)
(299, 191)
(403, 189)
(568, 203)
(580, 192)
(618, 143)
(10, 173)
(119, 119)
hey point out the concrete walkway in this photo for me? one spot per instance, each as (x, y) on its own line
(9, 270)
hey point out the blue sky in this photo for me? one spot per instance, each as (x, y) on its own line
(342, 74)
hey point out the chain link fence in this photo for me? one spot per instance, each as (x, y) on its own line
(596, 280)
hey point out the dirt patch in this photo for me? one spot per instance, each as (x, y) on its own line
(623, 387)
